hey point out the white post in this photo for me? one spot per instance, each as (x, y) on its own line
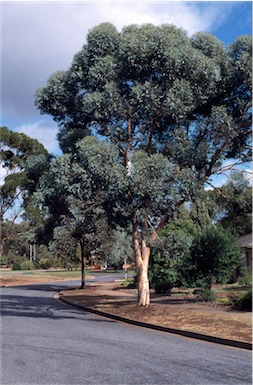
(125, 265)
(34, 251)
(31, 253)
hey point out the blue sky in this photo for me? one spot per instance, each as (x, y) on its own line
(39, 38)
(237, 20)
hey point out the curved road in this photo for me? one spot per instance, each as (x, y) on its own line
(44, 341)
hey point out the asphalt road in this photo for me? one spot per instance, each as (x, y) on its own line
(46, 342)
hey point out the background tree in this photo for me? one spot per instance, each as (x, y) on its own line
(65, 247)
(184, 101)
(213, 257)
(24, 160)
(16, 243)
(117, 248)
(73, 194)
(234, 203)
(168, 255)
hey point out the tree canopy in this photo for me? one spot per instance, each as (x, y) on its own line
(167, 109)
(24, 159)
(234, 204)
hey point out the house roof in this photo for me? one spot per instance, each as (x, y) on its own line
(245, 241)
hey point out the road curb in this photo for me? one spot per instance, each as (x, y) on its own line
(183, 333)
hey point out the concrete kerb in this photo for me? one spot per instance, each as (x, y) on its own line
(183, 333)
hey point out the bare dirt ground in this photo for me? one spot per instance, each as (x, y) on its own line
(179, 312)
(169, 311)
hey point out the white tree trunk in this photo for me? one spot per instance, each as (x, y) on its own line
(143, 285)
(142, 253)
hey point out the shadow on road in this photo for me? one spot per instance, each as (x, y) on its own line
(41, 307)
(50, 287)
(46, 286)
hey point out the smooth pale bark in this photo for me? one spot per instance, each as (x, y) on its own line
(142, 254)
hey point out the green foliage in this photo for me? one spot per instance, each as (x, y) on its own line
(236, 204)
(246, 301)
(64, 246)
(15, 235)
(162, 287)
(243, 302)
(213, 255)
(245, 276)
(169, 252)
(167, 109)
(17, 260)
(3, 261)
(160, 81)
(162, 270)
(45, 263)
(153, 88)
(16, 147)
(131, 283)
(207, 295)
(117, 248)
(24, 159)
(235, 299)
(27, 265)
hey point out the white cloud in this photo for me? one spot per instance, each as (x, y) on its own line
(41, 38)
(44, 131)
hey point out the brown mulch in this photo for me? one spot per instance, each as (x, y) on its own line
(179, 313)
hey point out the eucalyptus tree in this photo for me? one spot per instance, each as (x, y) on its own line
(17, 150)
(185, 102)
(24, 159)
(117, 249)
(73, 196)
(64, 246)
(234, 204)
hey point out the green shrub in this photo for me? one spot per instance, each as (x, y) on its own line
(17, 260)
(26, 265)
(130, 283)
(206, 295)
(163, 287)
(36, 265)
(246, 301)
(245, 277)
(3, 261)
(235, 299)
(213, 255)
(45, 263)
(161, 270)
(241, 301)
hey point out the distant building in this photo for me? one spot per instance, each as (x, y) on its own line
(246, 243)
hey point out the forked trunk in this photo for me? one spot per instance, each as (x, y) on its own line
(142, 253)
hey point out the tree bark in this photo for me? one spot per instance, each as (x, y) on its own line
(142, 254)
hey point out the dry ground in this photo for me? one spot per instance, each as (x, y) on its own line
(176, 311)
(169, 311)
